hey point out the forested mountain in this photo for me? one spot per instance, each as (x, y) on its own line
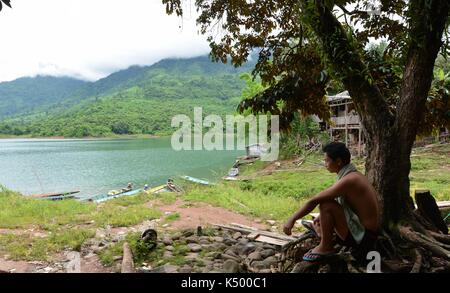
(30, 94)
(140, 99)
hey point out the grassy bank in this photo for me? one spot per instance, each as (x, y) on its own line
(62, 224)
(279, 193)
(272, 193)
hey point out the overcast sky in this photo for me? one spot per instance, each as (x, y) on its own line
(90, 39)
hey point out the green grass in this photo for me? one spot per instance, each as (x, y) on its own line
(27, 247)
(279, 194)
(430, 169)
(116, 216)
(172, 217)
(21, 212)
(167, 197)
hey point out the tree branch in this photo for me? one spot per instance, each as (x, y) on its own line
(427, 22)
(347, 63)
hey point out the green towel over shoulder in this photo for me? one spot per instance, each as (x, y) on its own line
(354, 225)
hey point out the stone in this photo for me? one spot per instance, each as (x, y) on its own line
(194, 247)
(218, 246)
(265, 264)
(267, 252)
(207, 238)
(208, 247)
(232, 251)
(118, 257)
(167, 268)
(229, 241)
(271, 261)
(231, 266)
(207, 262)
(167, 240)
(237, 235)
(176, 236)
(191, 239)
(185, 269)
(271, 222)
(187, 233)
(243, 249)
(254, 256)
(213, 254)
(167, 254)
(169, 248)
(204, 242)
(218, 239)
(232, 257)
(243, 241)
(191, 256)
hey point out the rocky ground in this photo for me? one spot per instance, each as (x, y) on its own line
(214, 250)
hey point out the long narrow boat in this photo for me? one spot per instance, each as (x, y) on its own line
(196, 180)
(105, 197)
(58, 197)
(157, 189)
(55, 194)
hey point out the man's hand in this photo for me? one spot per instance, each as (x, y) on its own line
(287, 229)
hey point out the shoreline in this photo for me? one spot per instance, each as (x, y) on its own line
(129, 136)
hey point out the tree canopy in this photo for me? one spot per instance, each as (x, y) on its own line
(298, 56)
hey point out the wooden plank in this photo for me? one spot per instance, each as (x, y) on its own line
(266, 233)
(248, 231)
(243, 226)
(253, 235)
(443, 204)
(270, 240)
(127, 259)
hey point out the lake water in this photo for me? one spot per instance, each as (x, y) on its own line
(97, 166)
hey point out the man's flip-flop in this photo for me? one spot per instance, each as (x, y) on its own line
(316, 257)
(309, 226)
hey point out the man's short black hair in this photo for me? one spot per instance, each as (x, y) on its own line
(337, 150)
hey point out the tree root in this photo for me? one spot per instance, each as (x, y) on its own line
(418, 263)
(441, 237)
(417, 239)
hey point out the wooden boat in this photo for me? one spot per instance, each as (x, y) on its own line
(196, 180)
(105, 197)
(55, 194)
(157, 189)
(58, 197)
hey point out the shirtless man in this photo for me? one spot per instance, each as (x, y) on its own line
(349, 208)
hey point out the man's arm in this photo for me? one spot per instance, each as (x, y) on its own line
(328, 194)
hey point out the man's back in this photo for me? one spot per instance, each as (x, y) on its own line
(362, 198)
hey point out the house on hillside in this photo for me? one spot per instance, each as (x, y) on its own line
(345, 123)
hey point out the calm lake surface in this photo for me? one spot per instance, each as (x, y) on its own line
(97, 166)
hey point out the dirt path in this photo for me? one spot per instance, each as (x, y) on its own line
(16, 266)
(202, 214)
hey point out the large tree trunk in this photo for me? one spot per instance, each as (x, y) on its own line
(388, 170)
(390, 135)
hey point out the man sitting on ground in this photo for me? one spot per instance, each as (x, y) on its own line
(349, 208)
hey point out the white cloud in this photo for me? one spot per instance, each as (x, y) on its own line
(91, 38)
